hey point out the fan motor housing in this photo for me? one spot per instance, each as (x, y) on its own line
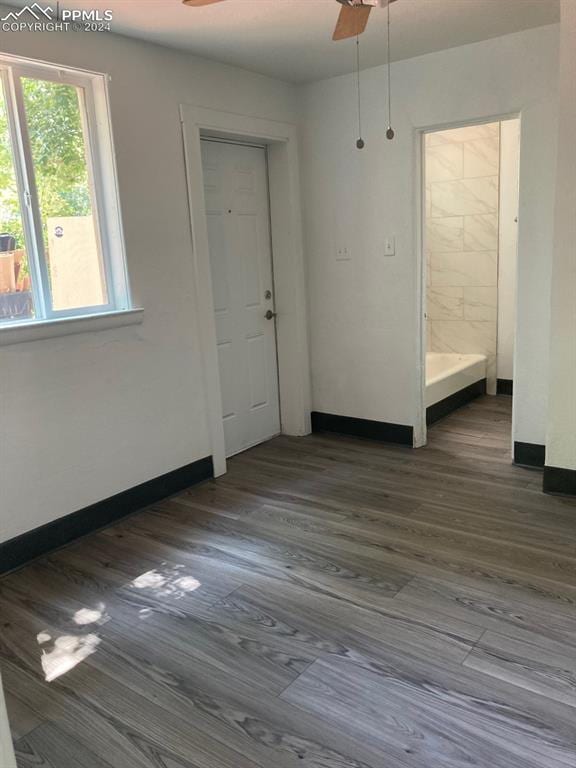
(362, 2)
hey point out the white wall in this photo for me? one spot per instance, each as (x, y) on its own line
(561, 444)
(364, 312)
(508, 246)
(7, 759)
(84, 417)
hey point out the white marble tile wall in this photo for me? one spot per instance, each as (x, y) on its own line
(462, 178)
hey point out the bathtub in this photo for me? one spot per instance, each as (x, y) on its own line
(450, 373)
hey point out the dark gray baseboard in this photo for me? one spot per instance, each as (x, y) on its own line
(21, 550)
(370, 430)
(438, 410)
(529, 454)
(504, 387)
(559, 480)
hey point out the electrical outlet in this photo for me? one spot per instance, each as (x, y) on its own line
(343, 254)
(390, 246)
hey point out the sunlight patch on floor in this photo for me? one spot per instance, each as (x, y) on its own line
(168, 581)
(62, 653)
(66, 652)
(89, 616)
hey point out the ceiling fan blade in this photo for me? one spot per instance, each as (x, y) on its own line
(200, 2)
(351, 21)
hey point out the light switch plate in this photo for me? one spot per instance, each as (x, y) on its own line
(390, 246)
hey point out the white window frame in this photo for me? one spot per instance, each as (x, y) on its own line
(104, 193)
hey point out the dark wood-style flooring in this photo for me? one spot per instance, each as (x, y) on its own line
(330, 603)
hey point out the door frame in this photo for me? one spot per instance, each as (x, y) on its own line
(287, 263)
(264, 149)
(421, 428)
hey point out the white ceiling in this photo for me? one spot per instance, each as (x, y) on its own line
(291, 39)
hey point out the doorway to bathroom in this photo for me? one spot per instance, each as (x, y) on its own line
(469, 234)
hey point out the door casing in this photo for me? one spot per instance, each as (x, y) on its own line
(288, 263)
(419, 133)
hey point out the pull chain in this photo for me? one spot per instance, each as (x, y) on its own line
(390, 130)
(360, 143)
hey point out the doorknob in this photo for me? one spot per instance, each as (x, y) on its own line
(270, 315)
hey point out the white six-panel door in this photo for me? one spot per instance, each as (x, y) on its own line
(238, 217)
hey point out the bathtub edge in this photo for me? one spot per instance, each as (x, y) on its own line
(443, 407)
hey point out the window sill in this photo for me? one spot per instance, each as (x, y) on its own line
(47, 329)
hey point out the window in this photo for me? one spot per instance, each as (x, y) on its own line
(61, 250)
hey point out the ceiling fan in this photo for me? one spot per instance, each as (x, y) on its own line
(351, 22)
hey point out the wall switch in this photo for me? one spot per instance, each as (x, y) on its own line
(343, 254)
(390, 246)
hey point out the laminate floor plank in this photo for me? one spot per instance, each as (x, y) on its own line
(49, 747)
(22, 719)
(434, 719)
(529, 665)
(319, 624)
(330, 602)
(509, 613)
